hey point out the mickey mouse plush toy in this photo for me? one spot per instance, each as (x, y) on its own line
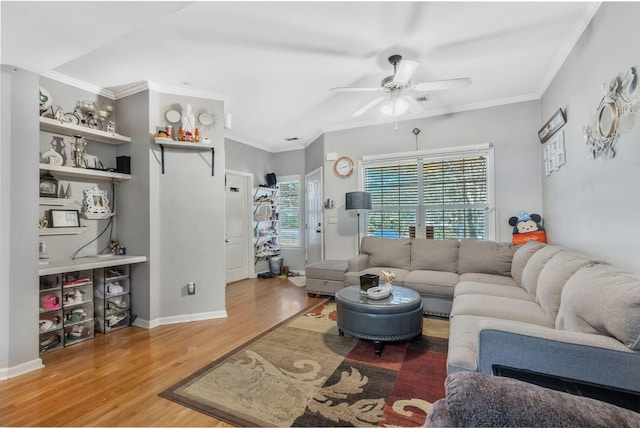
(527, 227)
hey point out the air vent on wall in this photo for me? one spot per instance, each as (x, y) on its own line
(422, 99)
(291, 139)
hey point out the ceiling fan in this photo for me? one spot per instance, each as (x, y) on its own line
(396, 87)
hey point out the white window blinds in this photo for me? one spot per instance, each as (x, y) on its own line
(289, 211)
(450, 193)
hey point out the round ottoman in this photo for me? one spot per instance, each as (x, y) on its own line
(394, 318)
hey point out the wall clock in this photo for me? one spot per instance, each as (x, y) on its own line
(343, 167)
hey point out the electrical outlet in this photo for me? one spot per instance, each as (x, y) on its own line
(191, 288)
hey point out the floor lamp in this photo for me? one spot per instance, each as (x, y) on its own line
(358, 201)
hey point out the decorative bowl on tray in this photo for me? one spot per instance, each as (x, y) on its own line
(377, 293)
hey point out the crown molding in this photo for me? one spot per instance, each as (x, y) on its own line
(80, 84)
(242, 140)
(568, 45)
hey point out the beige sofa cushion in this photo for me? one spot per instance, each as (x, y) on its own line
(434, 254)
(534, 266)
(553, 277)
(485, 257)
(491, 290)
(504, 308)
(601, 300)
(521, 256)
(432, 282)
(391, 253)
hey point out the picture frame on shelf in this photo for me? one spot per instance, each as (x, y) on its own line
(48, 186)
(65, 218)
(96, 201)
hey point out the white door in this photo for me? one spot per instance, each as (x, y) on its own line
(314, 216)
(237, 226)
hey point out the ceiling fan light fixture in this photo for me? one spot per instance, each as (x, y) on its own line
(396, 106)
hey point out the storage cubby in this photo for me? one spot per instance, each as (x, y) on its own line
(76, 333)
(112, 298)
(50, 300)
(51, 341)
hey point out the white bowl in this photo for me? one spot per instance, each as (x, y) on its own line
(378, 292)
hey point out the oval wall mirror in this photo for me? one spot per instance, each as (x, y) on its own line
(608, 119)
(614, 115)
(172, 116)
(205, 119)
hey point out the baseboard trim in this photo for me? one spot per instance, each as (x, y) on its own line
(178, 319)
(20, 369)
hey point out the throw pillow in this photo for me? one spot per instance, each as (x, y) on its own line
(602, 300)
(434, 254)
(521, 256)
(485, 257)
(386, 252)
(554, 275)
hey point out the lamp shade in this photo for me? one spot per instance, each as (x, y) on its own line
(358, 201)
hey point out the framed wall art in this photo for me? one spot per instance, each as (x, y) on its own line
(65, 218)
(96, 201)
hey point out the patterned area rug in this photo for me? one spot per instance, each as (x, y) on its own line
(302, 373)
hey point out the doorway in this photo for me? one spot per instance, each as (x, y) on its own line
(314, 216)
(237, 225)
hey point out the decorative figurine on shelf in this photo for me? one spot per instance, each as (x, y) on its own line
(188, 119)
(79, 151)
(180, 134)
(42, 252)
(196, 136)
(113, 247)
(43, 223)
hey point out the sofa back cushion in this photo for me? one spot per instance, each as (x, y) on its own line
(601, 300)
(532, 269)
(386, 252)
(434, 254)
(521, 256)
(485, 257)
(553, 277)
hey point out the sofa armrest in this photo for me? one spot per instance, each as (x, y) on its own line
(358, 263)
(586, 357)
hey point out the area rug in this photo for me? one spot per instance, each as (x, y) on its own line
(303, 373)
(298, 281)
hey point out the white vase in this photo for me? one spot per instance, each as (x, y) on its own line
(389, 286)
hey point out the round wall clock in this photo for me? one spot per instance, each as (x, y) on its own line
(343, 167)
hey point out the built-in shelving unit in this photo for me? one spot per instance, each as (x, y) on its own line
(57, 127)
(70, 171)
(266, 223)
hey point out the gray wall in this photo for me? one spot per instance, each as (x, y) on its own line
(592, 205)
(249, 159)
(512, 129)
(18, 222)
(293, 163)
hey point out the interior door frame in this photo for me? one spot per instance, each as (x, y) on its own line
(318, 171)
(251, 267)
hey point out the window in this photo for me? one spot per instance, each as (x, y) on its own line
(289, 211)
(447, 191)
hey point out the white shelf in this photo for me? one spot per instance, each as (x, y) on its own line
(96, 216)
(68, 171)
(57, 127)
(168, 142)
(50, 231)
(86, 263)
(58, 202)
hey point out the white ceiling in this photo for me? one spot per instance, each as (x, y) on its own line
(275, 62)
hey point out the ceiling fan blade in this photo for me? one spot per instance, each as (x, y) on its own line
(352, 89)
(405, 70)
(414, 105)
(369, 106)
(440, 85)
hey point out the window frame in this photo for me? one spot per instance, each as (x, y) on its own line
(295, 212)
(425, 156)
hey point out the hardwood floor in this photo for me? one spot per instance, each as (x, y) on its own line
(114, 379)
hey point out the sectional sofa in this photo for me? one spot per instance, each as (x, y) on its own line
(535, 307)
